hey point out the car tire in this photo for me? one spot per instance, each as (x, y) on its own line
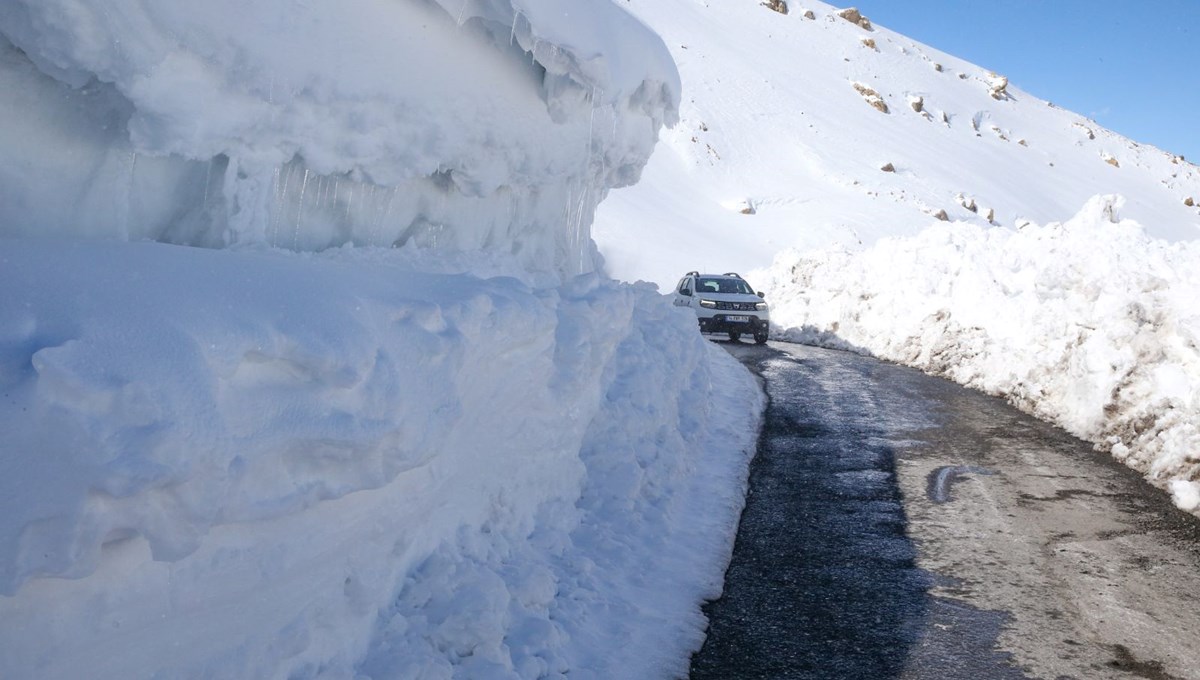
(734, 337)
(760, 338)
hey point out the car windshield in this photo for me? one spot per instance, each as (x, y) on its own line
(722, 285)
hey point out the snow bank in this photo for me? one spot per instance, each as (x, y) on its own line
(1089, 324)
(262, 464)
(463, 126)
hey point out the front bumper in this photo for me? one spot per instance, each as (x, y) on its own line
(720, 323)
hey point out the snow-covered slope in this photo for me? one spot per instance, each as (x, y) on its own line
(898, 191)
(390, 423)
(773, 122)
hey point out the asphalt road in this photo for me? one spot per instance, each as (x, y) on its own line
(900, 526)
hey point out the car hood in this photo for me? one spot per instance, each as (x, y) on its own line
(729, 297)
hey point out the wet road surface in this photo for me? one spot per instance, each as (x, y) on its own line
(900, 526)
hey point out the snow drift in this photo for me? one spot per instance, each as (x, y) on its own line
(390, 423)
(1089, 324)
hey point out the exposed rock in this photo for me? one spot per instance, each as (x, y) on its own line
(808, 14)
(937, 67)
(1110, 159)
(968, 203)
(777, 5)
(941, 215)
(872, 97)
(855, 17)
(1022, 142)
(888, 167)
(1086, 130)
(869, 42)
(917, 103)
(1189, 202)
(990, 216)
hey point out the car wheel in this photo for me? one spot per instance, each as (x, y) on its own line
(760, 338)
(735, 336)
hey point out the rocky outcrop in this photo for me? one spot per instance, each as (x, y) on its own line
(777, 5)
(888, 167)
(872, 97)
(1189, 202)
(855, 17)
(917, 103)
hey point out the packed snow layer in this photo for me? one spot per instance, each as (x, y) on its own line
(275, 465)
(491, 125)
(780, 146)
(1089, 323)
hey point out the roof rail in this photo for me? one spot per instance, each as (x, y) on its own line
(733, 274)
(692, 274)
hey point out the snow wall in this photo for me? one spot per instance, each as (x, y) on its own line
(457, 125)
(417, 437)
(1089, 324)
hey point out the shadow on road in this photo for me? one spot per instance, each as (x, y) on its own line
(823, 581)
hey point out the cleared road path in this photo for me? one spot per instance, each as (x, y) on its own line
(900, 526)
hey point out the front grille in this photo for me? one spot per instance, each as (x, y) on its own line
(736, 306)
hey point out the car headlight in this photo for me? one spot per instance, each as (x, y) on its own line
(708, 303)
(760, 306)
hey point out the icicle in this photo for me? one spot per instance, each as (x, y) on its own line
(387, 209)
(133, 159)
(280, 203)
(300, 211)
(207, 181)
(513, 33)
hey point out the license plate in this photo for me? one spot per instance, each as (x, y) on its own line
(737, 319)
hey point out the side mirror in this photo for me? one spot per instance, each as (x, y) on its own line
(761, 295)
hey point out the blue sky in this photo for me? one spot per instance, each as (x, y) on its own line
(1134, 67)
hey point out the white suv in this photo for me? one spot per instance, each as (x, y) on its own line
(724, 303)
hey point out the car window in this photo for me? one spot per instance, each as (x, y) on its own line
(723, 286)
